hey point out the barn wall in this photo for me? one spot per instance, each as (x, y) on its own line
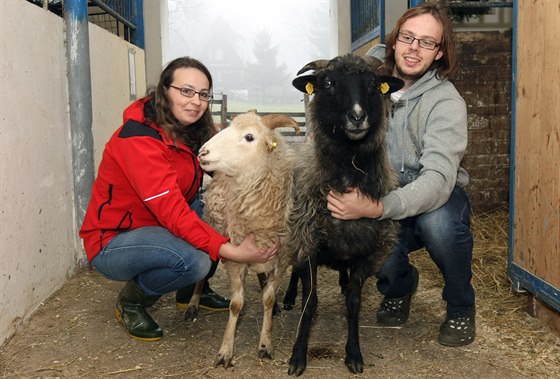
(536, 213)
(484, 81)
(39, 245)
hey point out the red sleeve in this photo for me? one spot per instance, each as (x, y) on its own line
(146, 162)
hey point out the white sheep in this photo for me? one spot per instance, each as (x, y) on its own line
(250, 192)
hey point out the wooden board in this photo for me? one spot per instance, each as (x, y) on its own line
(536, 238)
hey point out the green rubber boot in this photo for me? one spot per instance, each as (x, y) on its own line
(131, 312)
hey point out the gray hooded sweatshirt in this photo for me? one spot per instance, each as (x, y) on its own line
(427, 139)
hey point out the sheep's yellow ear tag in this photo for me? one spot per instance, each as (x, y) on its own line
(309, 88)
(384, 87)
(271, 145)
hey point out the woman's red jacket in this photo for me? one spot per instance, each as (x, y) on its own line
(145, 179)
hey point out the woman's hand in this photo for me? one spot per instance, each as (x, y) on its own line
(247, 251)
(353, 205)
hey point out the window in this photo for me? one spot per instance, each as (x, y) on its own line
(365, 21)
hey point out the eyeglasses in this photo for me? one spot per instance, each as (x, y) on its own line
(427, 44)
(189, 92)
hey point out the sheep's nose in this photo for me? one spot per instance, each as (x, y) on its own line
(356, 117)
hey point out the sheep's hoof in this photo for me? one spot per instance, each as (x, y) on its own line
(264, 352)
(297, 366)
(355, 366)
(222, 360)
(289, 301)
(288, 306)
(276, 310)
(191, 314)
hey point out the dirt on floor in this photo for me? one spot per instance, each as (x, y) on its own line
(74, 333)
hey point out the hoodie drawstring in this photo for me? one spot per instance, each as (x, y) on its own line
(404, 131)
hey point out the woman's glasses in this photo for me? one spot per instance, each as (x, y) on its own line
(189, 92)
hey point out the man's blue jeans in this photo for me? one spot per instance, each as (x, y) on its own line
(158, 261)
(446, 235)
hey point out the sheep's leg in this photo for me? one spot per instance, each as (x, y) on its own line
(272, 283)
(343, 280)
(236, 273)
(354, 360)
(262, 282)
(291, 292)
(298, 360)
(191, 313)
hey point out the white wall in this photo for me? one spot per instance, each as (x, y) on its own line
(39, 244)
(341, 37)
(155, 16)
(393, 11)
(110, 83)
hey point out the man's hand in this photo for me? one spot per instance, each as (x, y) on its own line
(353, 205)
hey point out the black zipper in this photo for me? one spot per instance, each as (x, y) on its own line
(195, 165)
(109, 199)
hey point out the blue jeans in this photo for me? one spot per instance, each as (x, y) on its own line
(446, 235)
(158, 261)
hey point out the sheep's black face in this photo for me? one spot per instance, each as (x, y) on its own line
(348, 102)
(348, 105)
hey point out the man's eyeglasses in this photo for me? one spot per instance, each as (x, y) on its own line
(427, 44)
(189, 92)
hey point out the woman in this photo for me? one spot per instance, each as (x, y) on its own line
(143, 223)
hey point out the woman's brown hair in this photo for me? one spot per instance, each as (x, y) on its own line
(447, 64)
(158, 108)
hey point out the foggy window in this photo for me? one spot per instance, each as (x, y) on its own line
(252, 48)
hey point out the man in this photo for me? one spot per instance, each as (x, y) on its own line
(427, 139)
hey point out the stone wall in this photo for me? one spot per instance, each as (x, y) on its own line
(484, 80)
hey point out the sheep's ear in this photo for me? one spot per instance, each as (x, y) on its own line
(389, 84)
(305, 84)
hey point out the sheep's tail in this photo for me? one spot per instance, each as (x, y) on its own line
(273, 121)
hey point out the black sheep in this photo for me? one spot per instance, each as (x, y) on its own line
(347, 116)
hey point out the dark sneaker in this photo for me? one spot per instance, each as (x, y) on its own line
(458, 331)
(209, 300)
(212, 301)
(394, 311)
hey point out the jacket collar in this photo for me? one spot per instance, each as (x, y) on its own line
(135, 111)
